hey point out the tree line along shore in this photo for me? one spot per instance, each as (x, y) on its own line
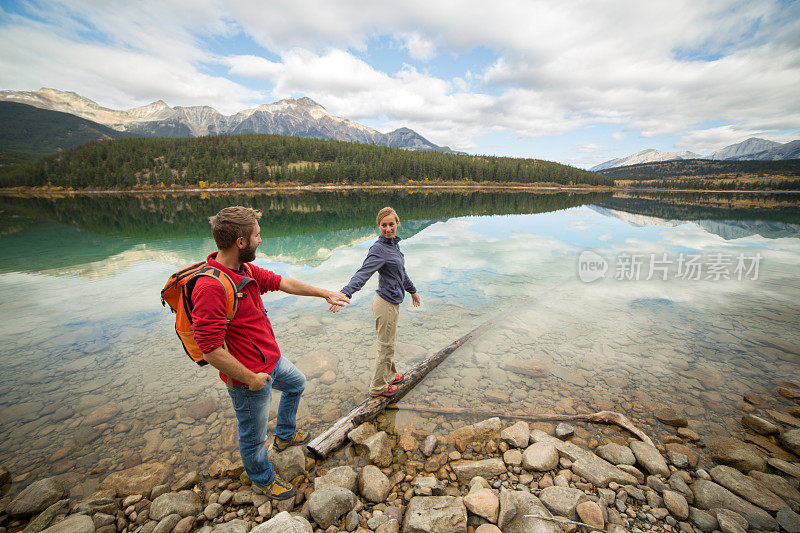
(278, 161)
(230, 160)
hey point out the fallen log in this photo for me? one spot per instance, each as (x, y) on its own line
(605, 417)
(333, 438)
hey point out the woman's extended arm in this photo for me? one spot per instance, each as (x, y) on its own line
(372, 264)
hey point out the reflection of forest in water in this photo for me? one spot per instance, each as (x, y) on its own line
(186, 215)
(696, 206)
(304, 227)
(78, 229)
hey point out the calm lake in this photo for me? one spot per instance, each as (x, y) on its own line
(598, 301)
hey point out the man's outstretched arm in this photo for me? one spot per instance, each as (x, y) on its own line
(292, 286)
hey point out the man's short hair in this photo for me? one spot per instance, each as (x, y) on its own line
(232, 223)
(386, 211)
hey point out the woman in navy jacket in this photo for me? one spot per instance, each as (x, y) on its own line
(387, 260)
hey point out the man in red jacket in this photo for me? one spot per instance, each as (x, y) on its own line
(245, 351)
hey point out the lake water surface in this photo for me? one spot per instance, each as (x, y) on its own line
(621, 302)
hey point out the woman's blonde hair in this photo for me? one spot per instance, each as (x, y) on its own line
(385, 212)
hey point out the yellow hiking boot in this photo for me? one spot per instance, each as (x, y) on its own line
(300, 437)
(277, 490)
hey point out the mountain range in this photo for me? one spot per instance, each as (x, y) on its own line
(751, 149)
(302, 117)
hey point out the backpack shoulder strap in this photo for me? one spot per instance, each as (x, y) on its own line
(232, 291)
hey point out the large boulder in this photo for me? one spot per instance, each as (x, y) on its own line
(522, 521)
(760, 425)
(340, 476)
(289, 463)
(789, 520)
(590, 513)
(540, 457)
(379, 449)
(183, 503)
(517, 436)
(360, 434)
(36, 497)
(777, 484)
(616, 454)
(283, 522)
(328, 504)
(484, 430)
(791, 441)
(373, 484)
(740, 455)
(586, 464)
(77, 523)
(677, 504)
(483, 502)
(44, 518)
(650, 458)
(709, 495)
(140, 479)
(562, 501)
(435, 514)
(746, 487)
(486, 468)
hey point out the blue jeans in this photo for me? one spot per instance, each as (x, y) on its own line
(252, 414)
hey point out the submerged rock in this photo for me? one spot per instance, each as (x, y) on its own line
(36, 497)
(140, 479)
(733, 452)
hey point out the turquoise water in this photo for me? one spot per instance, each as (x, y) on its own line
(94, 379)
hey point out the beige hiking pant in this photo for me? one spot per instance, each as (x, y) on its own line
(386, 315)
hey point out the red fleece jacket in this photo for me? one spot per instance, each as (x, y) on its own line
(249, 335)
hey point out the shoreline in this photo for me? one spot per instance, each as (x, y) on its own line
(56, 191)
(485, 477)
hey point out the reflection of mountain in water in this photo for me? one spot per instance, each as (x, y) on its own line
(727, 229)
(55, 234)
(313, 249)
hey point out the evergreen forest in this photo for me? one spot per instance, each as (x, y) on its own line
(252, 159)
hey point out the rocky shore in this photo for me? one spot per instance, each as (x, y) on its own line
(481, 478)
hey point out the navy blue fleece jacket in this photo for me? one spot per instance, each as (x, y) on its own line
(387, 260)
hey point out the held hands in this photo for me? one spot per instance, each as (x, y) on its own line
(337, 300)
(259, 381)
(416, 300)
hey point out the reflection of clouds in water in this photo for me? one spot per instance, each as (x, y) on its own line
(116, 263)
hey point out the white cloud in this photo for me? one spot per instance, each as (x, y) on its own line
(587, 148)
(658, 68)
(419, 47)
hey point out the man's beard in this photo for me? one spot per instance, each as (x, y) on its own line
(247, 255)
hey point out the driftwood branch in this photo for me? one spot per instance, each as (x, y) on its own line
(329, 441)
(606, 417)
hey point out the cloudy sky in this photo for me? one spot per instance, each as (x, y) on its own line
(578, 82)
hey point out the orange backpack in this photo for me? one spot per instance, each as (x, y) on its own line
(178, 294)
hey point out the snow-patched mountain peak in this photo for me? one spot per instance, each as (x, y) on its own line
(645, 156)
(156, 110)
(753, 145)
(302, 117)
